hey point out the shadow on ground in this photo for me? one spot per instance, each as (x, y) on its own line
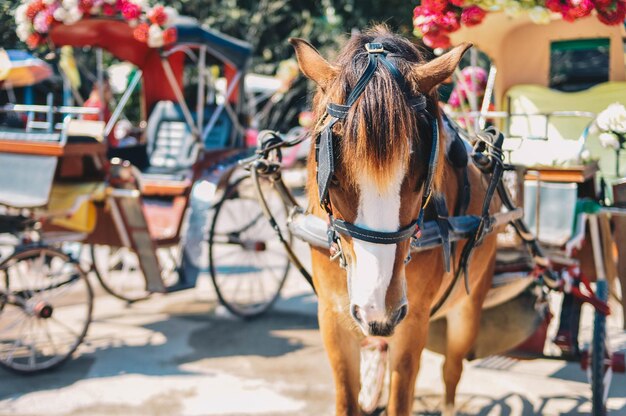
(173, 341)
(509, 405)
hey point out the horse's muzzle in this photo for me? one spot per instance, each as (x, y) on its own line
(378, 327)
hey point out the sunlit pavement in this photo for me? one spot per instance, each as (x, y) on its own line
(181, 354)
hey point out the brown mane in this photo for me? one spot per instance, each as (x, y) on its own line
(381, 130)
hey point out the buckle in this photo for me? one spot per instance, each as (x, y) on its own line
(374, 48)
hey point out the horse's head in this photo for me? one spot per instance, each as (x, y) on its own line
(375, 161)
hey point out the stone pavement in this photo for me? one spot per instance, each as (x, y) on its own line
(181, 354)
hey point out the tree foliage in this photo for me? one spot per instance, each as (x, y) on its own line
(8, 38)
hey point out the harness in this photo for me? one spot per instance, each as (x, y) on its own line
(444, 230)
(325, 159)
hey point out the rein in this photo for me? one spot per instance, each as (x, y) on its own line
(325, 159)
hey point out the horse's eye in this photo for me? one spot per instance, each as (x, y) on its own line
(334, 181)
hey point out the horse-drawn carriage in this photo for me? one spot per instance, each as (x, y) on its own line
(136, 214)
(354, 216)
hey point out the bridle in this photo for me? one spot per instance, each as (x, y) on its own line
(324, 157)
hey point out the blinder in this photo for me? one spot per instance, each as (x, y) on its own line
(325, 159)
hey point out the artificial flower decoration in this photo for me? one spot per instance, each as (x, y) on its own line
(612, 124)
(434, 20)
(35, 17)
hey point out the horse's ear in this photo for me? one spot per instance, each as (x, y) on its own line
(433, 73)
(312, 65)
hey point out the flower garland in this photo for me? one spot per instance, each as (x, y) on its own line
(434, 20)
(35, 17)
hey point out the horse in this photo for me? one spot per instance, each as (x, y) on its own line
(373, 169)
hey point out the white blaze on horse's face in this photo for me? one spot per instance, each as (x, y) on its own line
(373, 264)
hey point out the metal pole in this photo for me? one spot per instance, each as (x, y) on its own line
(220, 108)
(491, 81)
(120, 106)
(100, 74)
(169, 73)
(201, 80)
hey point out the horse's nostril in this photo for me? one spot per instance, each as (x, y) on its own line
(354, 311)
(401, 313)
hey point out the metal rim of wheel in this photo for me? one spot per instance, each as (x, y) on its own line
(117, 270)
(47, 311)
(122, 276)
(248, 260)
(600, 360)
(373, 375)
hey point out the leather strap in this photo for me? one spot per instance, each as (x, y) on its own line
(325, 160)
(338, 110)
(341, 111)
(432, 167)
(372, 236)
(444, 229)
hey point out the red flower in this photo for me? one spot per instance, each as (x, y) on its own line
(158, 16)
(108, 9)
(34, 40)
(601, 4)
(49, 19)
(437, 41)
(435, 5)
(554, 5)
(613, 16)
(169, 35)
(34, 8)
(472, 15)
(458, 3)
(85, 6)
(583, 8)
(141, 32)
(131, 11)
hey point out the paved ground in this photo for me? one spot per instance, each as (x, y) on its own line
(182, 355)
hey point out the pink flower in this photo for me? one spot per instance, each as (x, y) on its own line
(454, 99)
(131, 11)
(41, 23)
(479, 76)
(436, 41)
(472, 15)
(448, 21)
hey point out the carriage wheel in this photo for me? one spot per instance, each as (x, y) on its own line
(373, 375)
(247, 261)
(47, 303)
(118, 271)
(600, 365)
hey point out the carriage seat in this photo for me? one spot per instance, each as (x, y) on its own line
(171, 150)
(171, 146)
